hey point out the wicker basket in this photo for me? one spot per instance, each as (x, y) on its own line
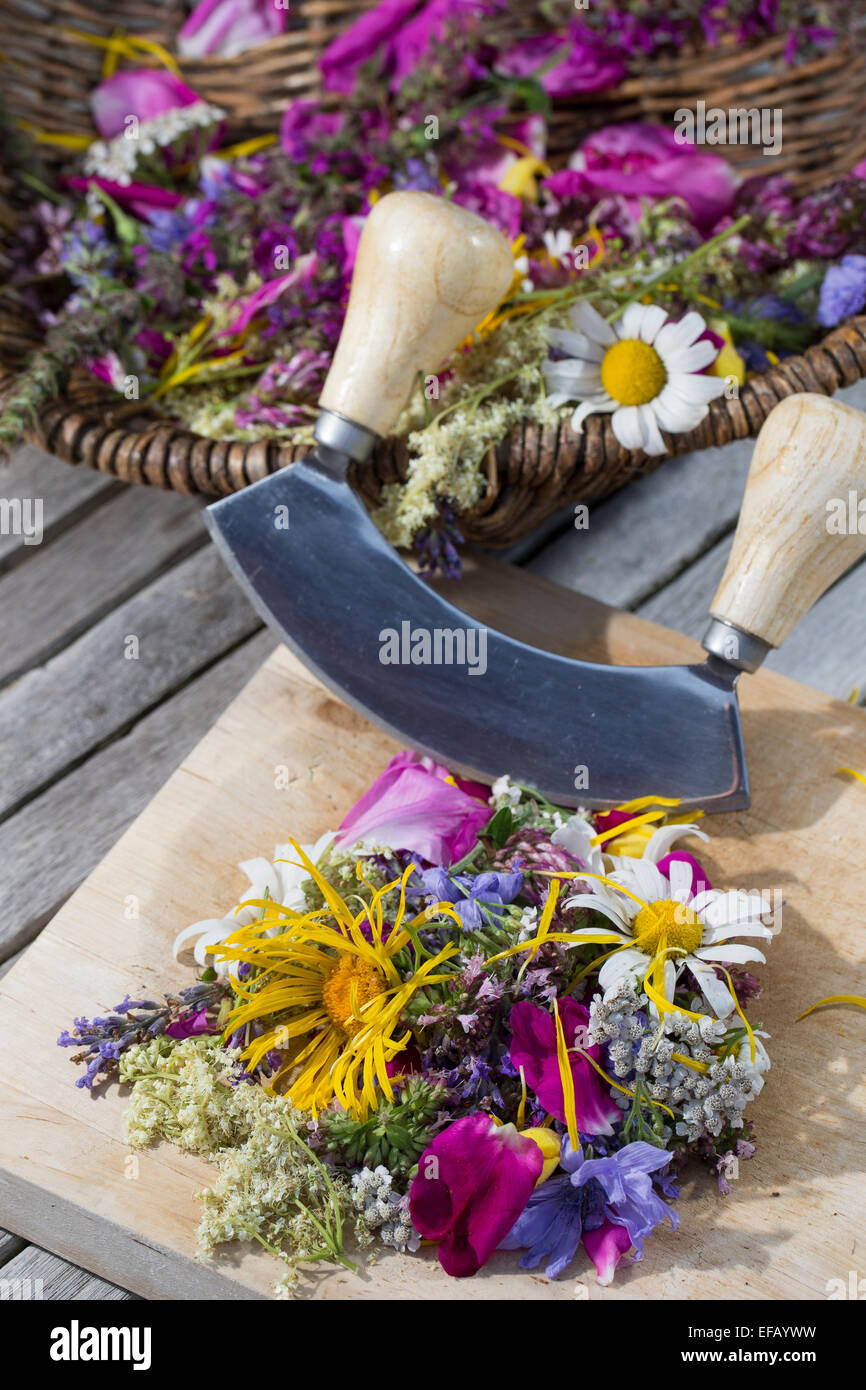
(47, 80)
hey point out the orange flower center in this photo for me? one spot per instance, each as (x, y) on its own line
(351, 984)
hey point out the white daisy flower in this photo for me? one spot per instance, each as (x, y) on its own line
(664, 915)
(644, 370)
(281, 880)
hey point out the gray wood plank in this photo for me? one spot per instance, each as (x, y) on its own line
(64, 493)
(69, 583)
(56, 715)
(646, 534)
(51, 845)
(643, 537)
(825, 650)
(9, 1245)
(35, 1274)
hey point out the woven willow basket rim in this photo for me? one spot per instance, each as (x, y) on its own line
(535, 470)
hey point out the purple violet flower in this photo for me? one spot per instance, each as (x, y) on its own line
(843, 291)
(608, 1202)
(475, 899)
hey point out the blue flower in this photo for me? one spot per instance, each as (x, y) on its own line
(609, 1202)
(476, 899)
(843, 291)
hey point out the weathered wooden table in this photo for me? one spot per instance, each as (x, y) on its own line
(123, 637)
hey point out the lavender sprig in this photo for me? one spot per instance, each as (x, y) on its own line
(102, 1041)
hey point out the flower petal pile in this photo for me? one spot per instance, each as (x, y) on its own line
(482, 1021)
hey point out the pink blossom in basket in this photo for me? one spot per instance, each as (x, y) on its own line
(566, 64)
(142, 92)
(230, 27)
(646, 161)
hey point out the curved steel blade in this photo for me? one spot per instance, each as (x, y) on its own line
(343, 601)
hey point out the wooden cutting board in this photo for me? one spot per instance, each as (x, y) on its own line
(287, 757)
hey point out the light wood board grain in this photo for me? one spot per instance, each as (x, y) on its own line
(796, 1217)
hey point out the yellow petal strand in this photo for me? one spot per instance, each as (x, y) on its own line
(427, 914)
(640, 803)
(600, 878)
(690, 1062)
(543, 925)
(626, 826)
(739, 1011)
(521, 1109)
(568, 938)
(121, 45)
(567, 1079)
(663, 1005)
(61, 138)
(857, 999)
(852, 773)
(594, 965)
(401, 908)
(246, 147)
(332, 898)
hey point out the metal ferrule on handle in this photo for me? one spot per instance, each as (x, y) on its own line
(344, 436)
(740, 649)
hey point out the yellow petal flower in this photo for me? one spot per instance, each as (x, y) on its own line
(521, 178)
(729, 362)
(549, 1144)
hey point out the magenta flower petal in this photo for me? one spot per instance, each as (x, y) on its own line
(412, 807)
(371, 33)
(606, 1247)
(533, 1047)
(609, 820)
(700, 881)
(141, 92)
(638, 161)
(586, 63)
(413, 39)
(190, 1025)
(269, 293)
(304, 126)
(230, 27)
(473, 1182)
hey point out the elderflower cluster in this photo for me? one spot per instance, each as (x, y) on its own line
(270, 1187)
(446, 457)
(382, 1211)
(116, 160)
(676, 1061)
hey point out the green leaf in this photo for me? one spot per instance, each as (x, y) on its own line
(127, 228)
(500, 827)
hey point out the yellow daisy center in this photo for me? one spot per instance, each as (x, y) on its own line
(665, 923)
(350, 976)
(632, 372)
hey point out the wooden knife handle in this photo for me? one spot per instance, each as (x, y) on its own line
(795, 536)
(427, 273)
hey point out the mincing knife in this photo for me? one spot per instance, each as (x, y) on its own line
(318, 570)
